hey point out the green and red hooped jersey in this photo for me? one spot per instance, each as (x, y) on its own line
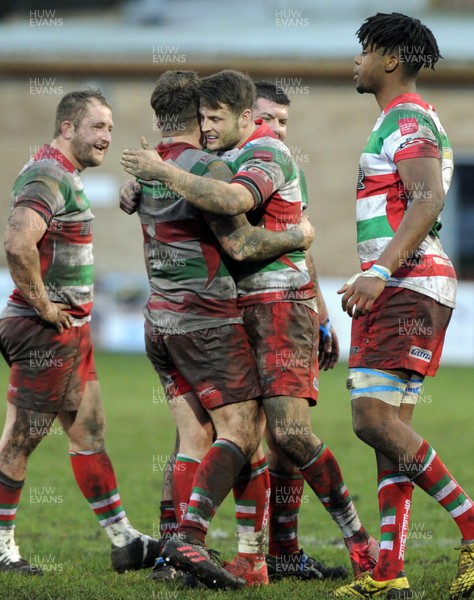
(407, 128)
(50, 185)
(191, 284)
(263, 164)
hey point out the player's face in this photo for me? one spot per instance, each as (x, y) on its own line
(273, 114)
(369, 69)
(220, 128)
(92, 137)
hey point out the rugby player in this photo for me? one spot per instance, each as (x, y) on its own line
(285, 558)
(45, 335)
(401, 302)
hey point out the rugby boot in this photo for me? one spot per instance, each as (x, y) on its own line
(254, 573)
(187, 554)
(463, 584)
(364, 586)
(302, 566)
(163, 571)
(140, 553)
(12, 562)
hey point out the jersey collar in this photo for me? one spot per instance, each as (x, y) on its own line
(263, 130)
(404, 99)
(48, 151)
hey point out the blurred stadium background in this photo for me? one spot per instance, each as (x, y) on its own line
(49, 48)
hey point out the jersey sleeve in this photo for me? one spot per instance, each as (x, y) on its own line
(264, 172)
(414, 136)
(41, 191)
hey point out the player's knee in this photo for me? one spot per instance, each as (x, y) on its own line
(29, 428)
(89, 435)
(196, 443)
(239, 424)
(363, 428)
(25, 447)
(249, 442)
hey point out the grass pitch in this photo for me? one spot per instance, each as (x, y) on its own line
(57, 530)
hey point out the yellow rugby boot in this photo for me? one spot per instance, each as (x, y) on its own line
(364, 586)
(463, 583)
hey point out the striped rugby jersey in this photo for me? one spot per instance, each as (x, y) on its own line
(263, 164)
(50, 185)
(407, 128)
(191, 286)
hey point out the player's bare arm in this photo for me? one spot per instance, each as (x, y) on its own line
(423, 176)
(328, 351)
(24, 230)
(244, 242)
(208, 195)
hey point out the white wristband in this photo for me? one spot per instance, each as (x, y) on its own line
(380, 272)
(375, 271)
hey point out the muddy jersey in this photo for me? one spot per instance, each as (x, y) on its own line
(191, 285)
(407, 128)
(263, 164)
(50, 185)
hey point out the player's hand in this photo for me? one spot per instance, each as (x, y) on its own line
(130, 196)
(328, 351)
(143, 163)
(359, 294)
(54, 313)
(308, 232)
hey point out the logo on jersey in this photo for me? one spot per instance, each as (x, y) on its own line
(408, 125)
(360, 179)
(420, 353)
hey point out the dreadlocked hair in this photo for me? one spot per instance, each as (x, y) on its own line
(415, 43)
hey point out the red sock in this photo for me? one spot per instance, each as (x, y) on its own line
(95, 477)
(10, 492)
(168, 521)
(252, 496)
(394, 492)
(285, 502)
(184, 470)
(325, 478)
(212, 482)
(435, 479)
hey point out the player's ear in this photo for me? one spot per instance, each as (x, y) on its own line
(391, 62)
(67, 129)
(245, 118)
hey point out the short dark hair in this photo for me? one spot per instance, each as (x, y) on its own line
(175, 100)
(73, 107)
(231, 88)
(414, 42)
(272, 92)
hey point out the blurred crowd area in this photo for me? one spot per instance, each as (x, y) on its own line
(50, 48)
(155, 11)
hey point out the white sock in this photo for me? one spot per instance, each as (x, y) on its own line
(251, 542)
(121, 532)
(8, 547)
